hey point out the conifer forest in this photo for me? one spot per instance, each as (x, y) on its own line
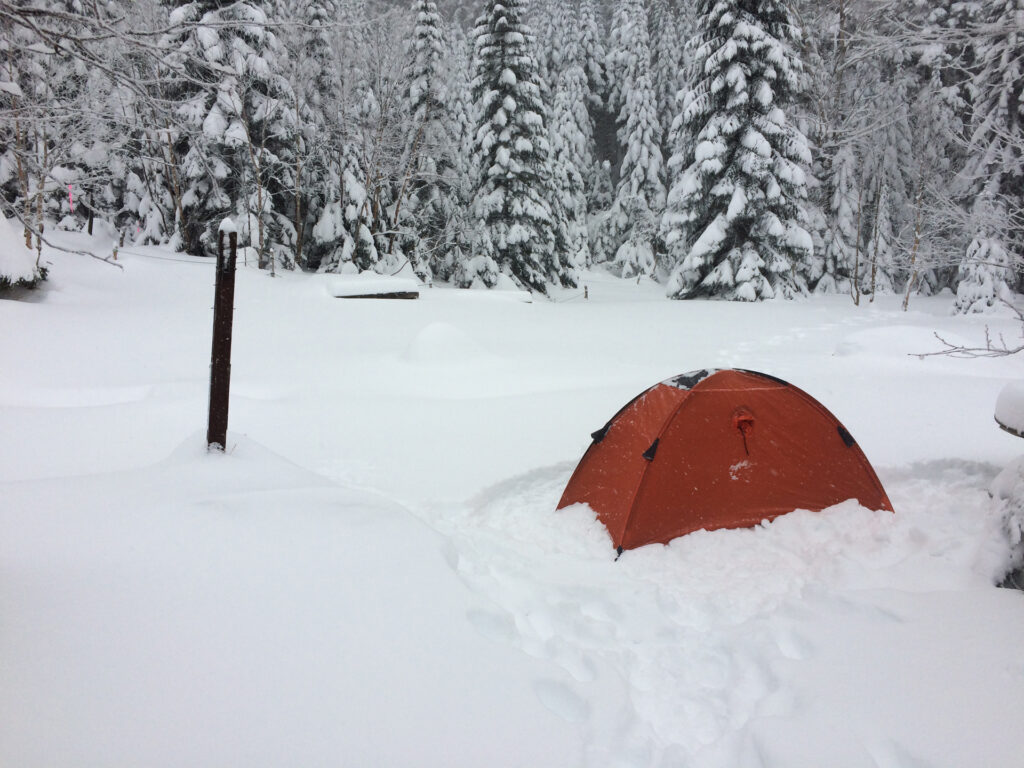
(734, 149)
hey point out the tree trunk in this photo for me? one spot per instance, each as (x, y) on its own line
(41, 183)
(176, 194)
(874, 239)
(918, 219)
(855, 278)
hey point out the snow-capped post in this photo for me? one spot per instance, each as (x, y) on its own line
(220, 356)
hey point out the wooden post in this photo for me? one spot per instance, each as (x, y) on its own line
(220, 355)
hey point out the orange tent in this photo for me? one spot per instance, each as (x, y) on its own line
(717, 449)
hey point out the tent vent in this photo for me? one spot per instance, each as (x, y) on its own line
(649, 453)
(847, 437)
(599, 435)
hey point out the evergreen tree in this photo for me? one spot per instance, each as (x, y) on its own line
(572, 140)
(640, 196)
(449, 259)
(543, 18)
(985, 273)
(734, 222)
(237, 128)
(889, 157)
(996, 168)
(518, 231)
(593, 55)
(428, 152)
(668, 59)
(841, 245)
(312, 73)
(601, 197)
(621, 62)
(341, 236)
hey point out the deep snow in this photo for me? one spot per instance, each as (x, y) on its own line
(375, 575)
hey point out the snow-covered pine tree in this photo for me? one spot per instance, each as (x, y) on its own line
(542, 18)
(985, 272)
(600, 198)
(380, 50)
(518, 232)
(309, 67)
(456, 250)
(48, 101)
(841, 245)
(995, 169)
(889, 152)
(734, 226)
(640, 195)
(948, 53)
(572, 139)
(668, 59)
(426, 199)
(593, 55)
(341, 239)
(237, 122)
(621, 53)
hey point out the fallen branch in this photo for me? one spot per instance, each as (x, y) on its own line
(991, 348)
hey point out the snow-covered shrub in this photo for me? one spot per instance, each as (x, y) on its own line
(984, 276)
(18, 267)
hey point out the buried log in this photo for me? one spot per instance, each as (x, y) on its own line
(386, 295)
(359, 287)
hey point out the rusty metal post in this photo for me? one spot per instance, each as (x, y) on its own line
(220, 355)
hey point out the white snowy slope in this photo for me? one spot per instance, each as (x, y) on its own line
(374, 575)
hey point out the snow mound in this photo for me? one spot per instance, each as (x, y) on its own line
(892, 340)
(443, 343)
(1010, 406)
(17, 263)
(699, 635)
(364, 284)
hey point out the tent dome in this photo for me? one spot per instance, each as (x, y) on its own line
(717, 449)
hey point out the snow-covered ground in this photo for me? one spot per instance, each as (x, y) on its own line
(374, 574)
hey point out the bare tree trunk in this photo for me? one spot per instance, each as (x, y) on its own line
(176, 194)
(20, 145)
(918, 219)
(257, 177)
(41, 183)
(874, 239)
(298, 202)
(855, 278)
